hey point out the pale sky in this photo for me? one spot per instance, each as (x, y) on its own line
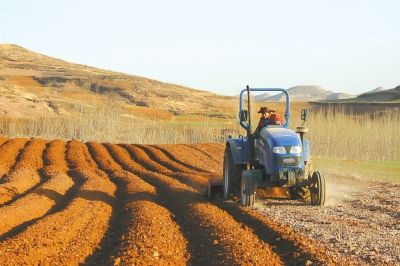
(220, 46)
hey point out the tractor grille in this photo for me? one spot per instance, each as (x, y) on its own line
(289, 161)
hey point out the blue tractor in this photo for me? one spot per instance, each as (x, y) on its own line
(274, 156)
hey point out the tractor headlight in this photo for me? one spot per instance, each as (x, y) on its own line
(279, 150)
(295, 149)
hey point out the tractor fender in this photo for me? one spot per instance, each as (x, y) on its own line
(239, 150)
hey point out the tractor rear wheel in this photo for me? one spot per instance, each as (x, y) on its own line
(232, 172)
(317, 189)
(247, 191)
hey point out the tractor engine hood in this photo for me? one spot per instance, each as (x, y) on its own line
(279, 137)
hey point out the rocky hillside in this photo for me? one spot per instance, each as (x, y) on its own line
(32, 83)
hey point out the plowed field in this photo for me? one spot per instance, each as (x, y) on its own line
(71, 203)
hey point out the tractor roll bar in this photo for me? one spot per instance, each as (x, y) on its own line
(287, 112)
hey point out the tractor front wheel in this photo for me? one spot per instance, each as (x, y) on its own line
(231, 175)
(247, 191)
(317, 189)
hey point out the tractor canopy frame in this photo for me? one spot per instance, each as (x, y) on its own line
(247, 126)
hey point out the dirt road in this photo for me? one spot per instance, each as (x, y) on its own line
(92, 203)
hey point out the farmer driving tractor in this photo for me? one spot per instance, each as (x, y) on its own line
(268, 117)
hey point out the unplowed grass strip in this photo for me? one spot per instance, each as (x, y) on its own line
(24, 174)
(214, 236)
(67, 237)
(8, 154)
(40, 201)
(143, 232)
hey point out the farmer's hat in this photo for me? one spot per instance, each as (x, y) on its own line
(264, 110)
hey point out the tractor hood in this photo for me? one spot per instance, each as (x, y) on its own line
(280, 137)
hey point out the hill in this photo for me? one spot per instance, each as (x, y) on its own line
(375, 90)
(35, 84)
(381, 95)
(377, 96)
(308, 93)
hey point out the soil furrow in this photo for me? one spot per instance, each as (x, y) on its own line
(137, 151)
(214, 236)
(3, 140)
(161, 158)
(9, 152)
(24, 174)
(39, 202)
(142, 232)
(292, 247)
(198, 181)
(212, 151)
(210, 156)
(173, 158)
(288, 248)
(72, 234)
(191, 154)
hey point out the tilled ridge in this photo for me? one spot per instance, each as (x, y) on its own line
(197, 181)
(137, 152)
(175, 159)
(306, 244)
(41, 200)
(193, 154)
(24, 174)
(214, 237)
(175, 165)
(143, 232)
(9, 151)
(2, 140)
(70, 235)
(293, 248)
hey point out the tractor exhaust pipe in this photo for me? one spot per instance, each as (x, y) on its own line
(250, 136)
(249, 129)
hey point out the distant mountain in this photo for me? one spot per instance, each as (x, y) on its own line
(308, 93)
(379, 89)
(262, 97)
(380, 95)
(338, 96)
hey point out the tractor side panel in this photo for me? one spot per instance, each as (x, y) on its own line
(239, 149)
(261, 151)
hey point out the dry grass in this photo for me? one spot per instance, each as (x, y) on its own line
(111, 123)
(340, 135)
(333, 133)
